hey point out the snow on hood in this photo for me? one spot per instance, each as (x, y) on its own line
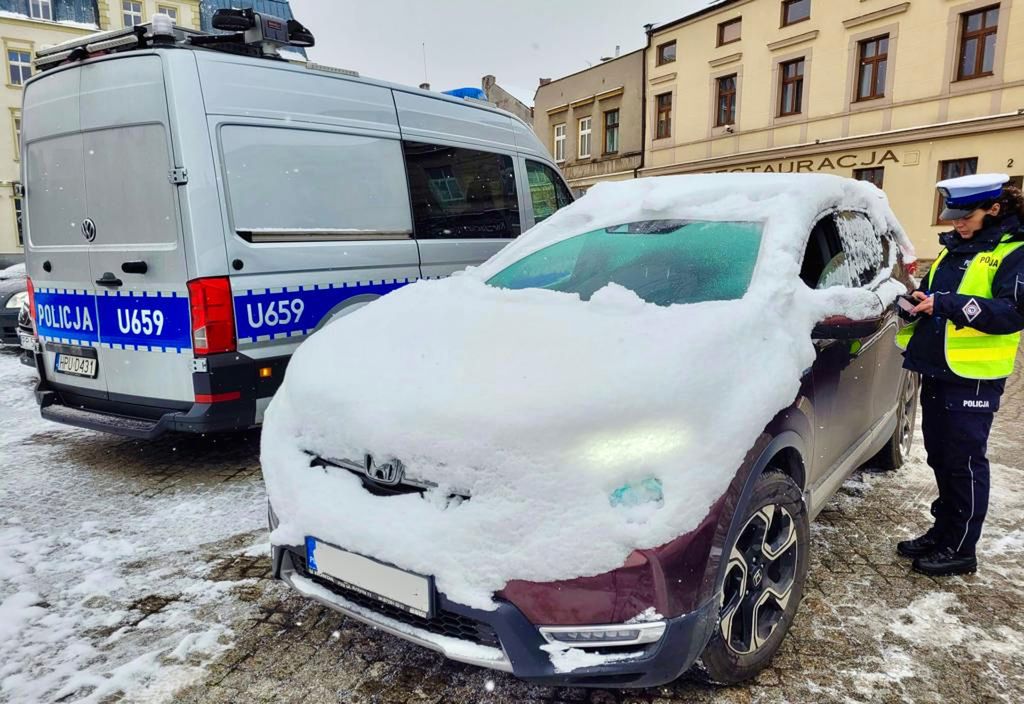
(540, 405)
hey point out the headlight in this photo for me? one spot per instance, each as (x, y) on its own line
(17, 300)
(636, 493)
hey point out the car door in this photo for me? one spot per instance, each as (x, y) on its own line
(843, 370)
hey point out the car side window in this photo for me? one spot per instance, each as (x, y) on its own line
(547, 192)
(824, 263)
(862, 245)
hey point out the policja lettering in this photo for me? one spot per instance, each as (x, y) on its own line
(65, 317)
(964, 342)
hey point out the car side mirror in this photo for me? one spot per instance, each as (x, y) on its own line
(839, 327)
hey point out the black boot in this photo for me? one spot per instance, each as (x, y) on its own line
(945, 562)
(919, 547)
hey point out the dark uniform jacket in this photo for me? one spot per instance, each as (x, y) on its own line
(1000, 315)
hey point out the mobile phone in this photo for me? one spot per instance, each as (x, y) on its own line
(906, 303)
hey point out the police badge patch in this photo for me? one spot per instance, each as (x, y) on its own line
(972, 310)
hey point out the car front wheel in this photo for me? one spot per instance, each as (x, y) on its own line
(764, 582)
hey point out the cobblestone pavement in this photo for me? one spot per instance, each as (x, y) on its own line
(868, 629)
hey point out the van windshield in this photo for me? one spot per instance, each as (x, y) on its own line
(664, 262)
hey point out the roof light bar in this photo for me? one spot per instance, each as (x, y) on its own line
(95, 38)
(52, 59)
(112, 43)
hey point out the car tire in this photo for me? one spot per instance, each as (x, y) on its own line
(763, 582)
(897, 449)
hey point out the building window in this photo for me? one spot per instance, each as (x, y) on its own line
(978, 43)
(171, 12)
(794, 11)
(17, 221)
(584, 143)
(40, 9)
(791, 93)
(131, 12)
(666, 53)
(874, 175)
(20, 63)
(729, 32)
(560, 142)
(611, 132)
(726, 112)
(954, 168)
(874, 63)
(16, 125)
(664, 128)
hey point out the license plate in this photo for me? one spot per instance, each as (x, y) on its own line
(75, 365)
(390, 585)
(27, 341)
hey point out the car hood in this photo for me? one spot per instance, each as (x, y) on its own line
(538, 405)
(11, 286)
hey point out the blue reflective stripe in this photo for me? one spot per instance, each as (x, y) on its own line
(67, 316)
(145, 321)
(291, 313)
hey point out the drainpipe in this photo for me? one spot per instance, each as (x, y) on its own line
(648, 28)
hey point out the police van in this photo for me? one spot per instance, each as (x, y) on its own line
(196, 206)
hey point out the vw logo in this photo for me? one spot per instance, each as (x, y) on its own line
(386, 473)
(88, 229)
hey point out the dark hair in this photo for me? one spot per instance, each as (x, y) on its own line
(1011, 202)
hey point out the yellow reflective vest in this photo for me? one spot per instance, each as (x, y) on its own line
(971, 353)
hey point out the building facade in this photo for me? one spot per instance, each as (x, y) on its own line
(898, 93)
(505, 100)
(592, 121)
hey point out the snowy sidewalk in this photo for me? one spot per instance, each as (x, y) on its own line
(138, 571)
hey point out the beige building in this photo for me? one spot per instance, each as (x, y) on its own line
(505, 100)
(592, 121)
(898, 93)
(27, 25)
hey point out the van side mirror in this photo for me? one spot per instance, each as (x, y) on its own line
(839, 327)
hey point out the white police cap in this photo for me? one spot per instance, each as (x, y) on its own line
(962, 195)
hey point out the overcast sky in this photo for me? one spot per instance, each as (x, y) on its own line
(518, 42)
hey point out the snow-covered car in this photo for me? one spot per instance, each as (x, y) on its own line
(13, 293)
(592, 460)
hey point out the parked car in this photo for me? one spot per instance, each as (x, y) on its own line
(13, 293)
(592, 461)
(231, 203)
(27, 335)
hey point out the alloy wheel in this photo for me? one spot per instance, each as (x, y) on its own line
(759, 579)
(907, 408)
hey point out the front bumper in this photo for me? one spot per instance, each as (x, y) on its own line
(504, 639)
(9, 326)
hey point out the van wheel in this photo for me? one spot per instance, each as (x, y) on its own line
(897, 449)
(763, 585)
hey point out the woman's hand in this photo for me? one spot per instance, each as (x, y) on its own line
(926, 305)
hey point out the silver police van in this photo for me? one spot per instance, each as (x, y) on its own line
(196, 206)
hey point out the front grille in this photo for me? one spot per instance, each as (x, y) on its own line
(444, 623)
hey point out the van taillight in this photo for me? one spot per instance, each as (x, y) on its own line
(31, 300)
(213, 320)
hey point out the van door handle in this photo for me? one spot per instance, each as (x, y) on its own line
(108, 279)
(136, 267)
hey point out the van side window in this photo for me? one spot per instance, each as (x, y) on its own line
(461, 193)
(547, 192)
(287, 184)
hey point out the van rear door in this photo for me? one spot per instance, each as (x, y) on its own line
(137, 256)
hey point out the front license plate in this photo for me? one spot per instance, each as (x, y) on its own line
(26, 341)
(75, 365)
(390, 585)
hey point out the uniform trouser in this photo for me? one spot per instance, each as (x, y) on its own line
(956, 443)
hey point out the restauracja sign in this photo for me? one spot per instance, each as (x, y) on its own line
(827, 163)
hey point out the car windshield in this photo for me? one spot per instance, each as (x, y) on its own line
(663, 261)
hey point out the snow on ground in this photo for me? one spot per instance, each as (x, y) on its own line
(101, 590)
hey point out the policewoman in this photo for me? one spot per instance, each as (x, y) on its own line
(963, 340)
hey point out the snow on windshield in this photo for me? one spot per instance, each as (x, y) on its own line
(580, 430)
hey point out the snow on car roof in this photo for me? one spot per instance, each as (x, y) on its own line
(788, 204)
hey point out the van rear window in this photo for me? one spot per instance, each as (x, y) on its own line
(286, 183)
(461, 193)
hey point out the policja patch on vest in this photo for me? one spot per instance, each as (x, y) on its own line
(972, 310)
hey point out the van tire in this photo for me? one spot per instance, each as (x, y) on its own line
(776, 512)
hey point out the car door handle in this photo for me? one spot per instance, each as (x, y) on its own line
(135, 267)
(108, 279)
